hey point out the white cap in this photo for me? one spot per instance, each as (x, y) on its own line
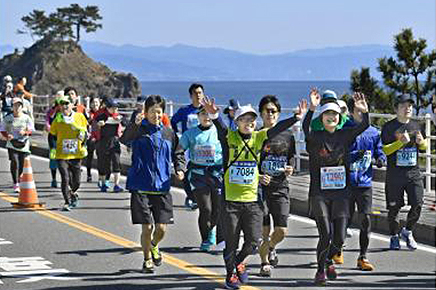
(242, 110)
(342, 103)
(7, 79)
(331, 107)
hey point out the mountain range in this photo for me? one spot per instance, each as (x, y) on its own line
(189, 63)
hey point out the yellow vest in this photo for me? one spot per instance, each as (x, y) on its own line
(68, 146)
(242, 177)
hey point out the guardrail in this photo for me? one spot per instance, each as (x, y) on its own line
(41, 105)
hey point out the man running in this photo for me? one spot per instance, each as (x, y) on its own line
(402, 140)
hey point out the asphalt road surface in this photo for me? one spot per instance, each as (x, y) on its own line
(95, 246)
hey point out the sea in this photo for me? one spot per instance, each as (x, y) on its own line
(246, 92)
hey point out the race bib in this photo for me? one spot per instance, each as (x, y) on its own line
(70, 146)
(204, 154)
(242, 172)
(362, 164)
(407, 156)
(274, 166)
(333, 177)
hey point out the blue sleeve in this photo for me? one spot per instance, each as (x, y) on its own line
(378, 148)
(184, 140)
(175, 120)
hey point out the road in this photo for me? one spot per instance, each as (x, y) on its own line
(95, 246)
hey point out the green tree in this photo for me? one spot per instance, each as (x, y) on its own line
(412, 72)
(35, 24)
(378, 99)
(81, 18)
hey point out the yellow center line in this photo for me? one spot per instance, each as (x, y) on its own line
(173, 261)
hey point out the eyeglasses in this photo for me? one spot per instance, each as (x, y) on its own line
(271, 111)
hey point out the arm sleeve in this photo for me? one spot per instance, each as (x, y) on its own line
(378, 148)
(222, 129)
(306, 123)
(353, 132)
(281, 126)
(391, 148)
(52, 140)
(178, 154)
(131, 133)
(175, 120)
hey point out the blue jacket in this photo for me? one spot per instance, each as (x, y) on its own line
(154, 148)
(366, 147)
(187, 115)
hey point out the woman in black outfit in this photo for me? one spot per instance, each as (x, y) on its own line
(329, 170)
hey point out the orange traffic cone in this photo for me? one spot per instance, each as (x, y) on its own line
(28, 197)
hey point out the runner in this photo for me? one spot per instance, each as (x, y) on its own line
(242, 208)
(205, 176)
(72, 94)
(277, 160)
(154, 148)
(49, 118)
(68, 135)
(329, 168)
(187, 117)
(108, 146)
(365, 148)
(402, 140)
(230, 112)
(16, 128)
(94, 106)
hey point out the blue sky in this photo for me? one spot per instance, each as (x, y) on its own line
(256, 26)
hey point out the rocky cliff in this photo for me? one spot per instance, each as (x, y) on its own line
(50, 66)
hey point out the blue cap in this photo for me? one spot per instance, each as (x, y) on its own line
(110, 103)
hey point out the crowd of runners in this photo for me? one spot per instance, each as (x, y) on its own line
(233, 170)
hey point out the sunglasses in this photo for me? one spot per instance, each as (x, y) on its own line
(271, 111)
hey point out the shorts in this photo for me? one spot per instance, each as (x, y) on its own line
(397, 183)
(207, 180)
(277, 206)
(151, 208)
(362, 196)
(320, 206)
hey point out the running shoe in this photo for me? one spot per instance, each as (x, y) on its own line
(54, 184)
(220, 247)
(194, 205)
(273, 258)
(188, 202)
(118, 188)
(395, 243)
(242, 273)
(156, 255)
(148, 266)
(320, 279)
(331, 271)
(205, 246)
(211, 237)
(364, 265)
(74, 200)
(89, 178)
(232, 282)
(66, 207)
(265, 270)
(103, 188)
(16, 187)
(108, 183)
(349, 233)
(407, 236)
(338, 258)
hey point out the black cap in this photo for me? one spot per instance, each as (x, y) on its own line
(404, 98)
(140, 99)
(110, 103)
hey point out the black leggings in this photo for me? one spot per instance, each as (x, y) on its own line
(412, 218)
(70, 174)
(17, 164)
(208, 205)
(91, 148)
(365, 229)
(329, 246)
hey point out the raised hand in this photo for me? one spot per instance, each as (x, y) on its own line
(315, 98)
(360, 102)
(302, 109)
(209, 105)
(139, 118)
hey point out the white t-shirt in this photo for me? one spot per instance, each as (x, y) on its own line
(13, 125)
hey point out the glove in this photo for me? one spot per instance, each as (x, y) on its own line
(53, 153)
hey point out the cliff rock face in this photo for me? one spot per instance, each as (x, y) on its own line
(50, 66)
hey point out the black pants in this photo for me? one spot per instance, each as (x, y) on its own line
(70, 174)
(328, 246)
(90, 146)
(108, 162)
(412, 218)
(236, 217)
(17, 163)
(207, 195)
